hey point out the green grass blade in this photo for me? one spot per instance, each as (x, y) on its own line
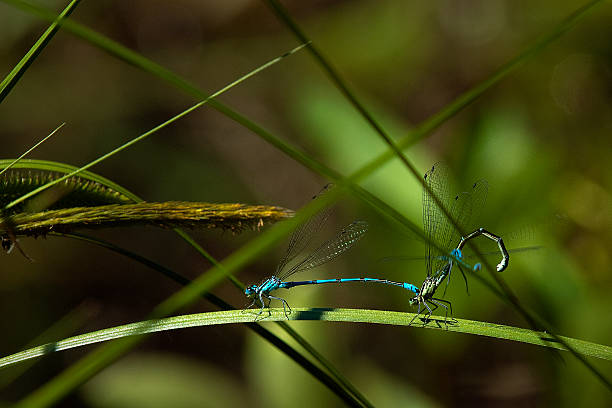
(16, 73)
(313, 314)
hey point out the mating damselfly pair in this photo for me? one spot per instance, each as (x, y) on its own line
(444, 245)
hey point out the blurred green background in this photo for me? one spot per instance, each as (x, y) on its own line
(541, 138)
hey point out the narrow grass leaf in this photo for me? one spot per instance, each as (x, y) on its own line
(473, 327)
(16, 73)
(17, 160)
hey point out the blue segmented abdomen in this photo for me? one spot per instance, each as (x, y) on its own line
(411, 287)
(289, 285)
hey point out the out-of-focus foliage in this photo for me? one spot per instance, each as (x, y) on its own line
(541, 138)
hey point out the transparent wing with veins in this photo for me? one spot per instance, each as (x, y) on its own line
(331, 249)
(433, 217)
(463, 208)
(304, 233)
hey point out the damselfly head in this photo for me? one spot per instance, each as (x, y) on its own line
(250, 290)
